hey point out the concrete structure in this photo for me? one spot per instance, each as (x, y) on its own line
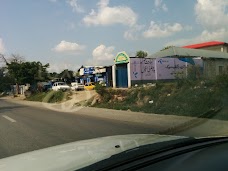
(121, 71)
(213, 45)
(20, 89)
(170, 64)
(213, 66)
(214, 62)
(129, 71)
(95, 74)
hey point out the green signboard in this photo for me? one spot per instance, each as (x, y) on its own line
(121, 58)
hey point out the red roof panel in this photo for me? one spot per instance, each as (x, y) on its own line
(205, 44)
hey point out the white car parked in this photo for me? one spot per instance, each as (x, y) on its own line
(77, 86)
(60, 86)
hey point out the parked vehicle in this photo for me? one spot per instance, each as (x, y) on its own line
(77, 86)
(44, 86)
(89, 86)
(60, 86)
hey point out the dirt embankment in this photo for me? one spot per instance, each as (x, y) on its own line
(194, 99)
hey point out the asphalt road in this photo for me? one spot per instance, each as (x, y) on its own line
(24, 128)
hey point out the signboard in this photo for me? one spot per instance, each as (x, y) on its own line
(89, 70)
(121, 58)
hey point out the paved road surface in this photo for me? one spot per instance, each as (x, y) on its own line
(25, 128)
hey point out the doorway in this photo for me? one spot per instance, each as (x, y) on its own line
(121, 75)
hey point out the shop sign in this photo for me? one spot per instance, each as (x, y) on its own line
(89, 70)
(121, 58)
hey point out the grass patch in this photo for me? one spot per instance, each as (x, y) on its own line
(49, 97)
(183, 97)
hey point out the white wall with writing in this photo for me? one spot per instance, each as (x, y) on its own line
(142, 69)
(160, 68)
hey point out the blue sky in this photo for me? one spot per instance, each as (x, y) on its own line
(71, 33)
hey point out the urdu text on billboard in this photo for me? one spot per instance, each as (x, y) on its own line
(160, 68)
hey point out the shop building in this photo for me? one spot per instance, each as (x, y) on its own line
(129, 71)
(210, 57)
(95, 74)
(217, 64)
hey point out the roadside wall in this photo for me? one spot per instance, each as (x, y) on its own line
(145, 70)
(214, 67)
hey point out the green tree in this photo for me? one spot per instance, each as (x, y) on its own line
(141, 54)
(5, 80)
(17, 58)
(28, 72)
(3, 59)
(53, 75)
(67, 74)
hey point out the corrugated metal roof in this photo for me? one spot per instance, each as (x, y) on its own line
(188, 53)
(205, 44)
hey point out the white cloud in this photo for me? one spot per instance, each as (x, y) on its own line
(103, 53)
(65, 46)
(103, 3)
(212, 14)
(59, 67)
(220, 35)
(162, 30)
(110, 15)
(75, 6)
(73, 3)
(2, 46)
(133, 32)
(160, 5)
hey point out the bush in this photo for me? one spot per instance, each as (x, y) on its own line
(55, 96)
(28, 93)
(100, 89)
(222, 81)
(103, 92)
(184, 97)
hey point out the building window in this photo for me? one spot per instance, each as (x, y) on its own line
(221, 70)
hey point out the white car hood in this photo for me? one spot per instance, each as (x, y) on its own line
(76, 155)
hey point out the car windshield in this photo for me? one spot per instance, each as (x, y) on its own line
(78, 70)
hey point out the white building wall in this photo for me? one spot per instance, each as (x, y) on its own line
(129, 74)
(114, 76)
